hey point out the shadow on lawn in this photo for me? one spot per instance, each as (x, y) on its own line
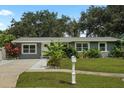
(68, 83)
(65, 82)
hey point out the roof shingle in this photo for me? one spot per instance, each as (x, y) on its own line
(64, 39)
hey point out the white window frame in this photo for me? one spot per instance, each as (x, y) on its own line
(76, 46)
(82, 45)
(29, 49)
(105, 46)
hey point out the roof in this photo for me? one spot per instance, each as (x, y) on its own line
(64, 39)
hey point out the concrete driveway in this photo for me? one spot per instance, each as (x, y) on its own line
(9, 72)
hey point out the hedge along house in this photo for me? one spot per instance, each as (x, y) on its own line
(33, 47)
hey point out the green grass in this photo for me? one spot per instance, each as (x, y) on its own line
(115, 65)
(62, 80)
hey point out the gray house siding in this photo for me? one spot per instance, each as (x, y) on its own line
(41, 48)
(110, 45)
(93, 45)
(31, 56)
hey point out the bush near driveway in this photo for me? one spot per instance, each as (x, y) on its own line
(12, 50)
(55, 52)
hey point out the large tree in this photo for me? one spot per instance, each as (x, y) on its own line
(73, 28)
(116, 24)
(39, 24)
(103, 21)
(4, 38)
(1, 31)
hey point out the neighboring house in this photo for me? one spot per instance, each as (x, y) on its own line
(33, 47)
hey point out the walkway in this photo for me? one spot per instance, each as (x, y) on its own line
(9, 72)
(78, 72)
(2, 62)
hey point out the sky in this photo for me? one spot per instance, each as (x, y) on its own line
(7, 12)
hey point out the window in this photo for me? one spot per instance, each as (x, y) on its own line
(25, 49)
(81, 46)
(85, 46)
(29, 49)
(32, 48)
(102, 47)
(78, 47)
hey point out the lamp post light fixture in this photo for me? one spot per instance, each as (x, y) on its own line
(73, 59)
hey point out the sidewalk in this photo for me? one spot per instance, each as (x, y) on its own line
(78, 72)
(3, 62)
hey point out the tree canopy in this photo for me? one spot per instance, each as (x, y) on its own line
(98, 21)
(40, 24)
(5, 39)
(1, 31)
(103, 21)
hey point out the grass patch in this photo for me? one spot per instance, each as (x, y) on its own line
(115, 65)
(63, 80)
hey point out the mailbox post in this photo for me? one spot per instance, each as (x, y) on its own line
(73, 59)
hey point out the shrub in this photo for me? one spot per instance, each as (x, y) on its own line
(83, 54)
(93, 53)
(55, 51)
(116, 52)
(54, 62)
(69, 51)
(5, 39)
(12, 50)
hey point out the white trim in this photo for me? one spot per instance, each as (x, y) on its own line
(88, 45)
(105, 46)
(76, 46)
(40, 41)
(29, 48)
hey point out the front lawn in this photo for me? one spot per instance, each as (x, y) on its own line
(62, 80)
(115, 65)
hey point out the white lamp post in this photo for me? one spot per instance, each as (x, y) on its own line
(73, 59)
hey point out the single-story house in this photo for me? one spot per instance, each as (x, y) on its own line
(33, 47)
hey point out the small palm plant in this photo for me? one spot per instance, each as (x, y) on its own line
(55, 52)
